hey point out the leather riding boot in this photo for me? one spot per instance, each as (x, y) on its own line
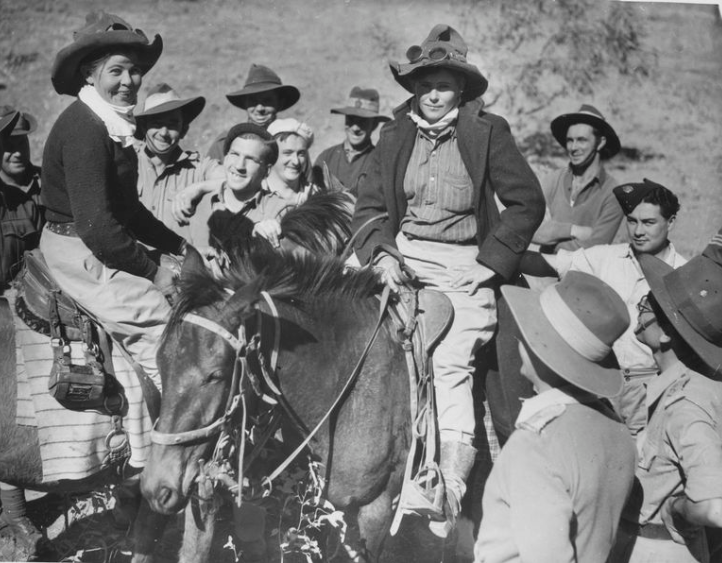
(456, 460)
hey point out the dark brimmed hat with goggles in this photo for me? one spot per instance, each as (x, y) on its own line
(443, 48)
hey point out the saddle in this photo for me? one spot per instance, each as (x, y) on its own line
(46, 309)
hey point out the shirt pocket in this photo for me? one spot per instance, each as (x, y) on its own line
(457, 193)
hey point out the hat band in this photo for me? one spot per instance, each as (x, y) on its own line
(570, 327)
(362, 103)
(691, 312)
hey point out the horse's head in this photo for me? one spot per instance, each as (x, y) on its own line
(197, 359)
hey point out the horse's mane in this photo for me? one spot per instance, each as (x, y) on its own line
(322, 224)
(284, 275)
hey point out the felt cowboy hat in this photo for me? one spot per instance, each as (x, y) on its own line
(25, 123)
(102, 31)
(593, 117)
(161, 98)
(691, 299)
(571, 326)
(263, 79)
(443, 48)
(362, 102)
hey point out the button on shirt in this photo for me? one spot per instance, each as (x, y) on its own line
(439, 191)
(616, 265)
(680, 451)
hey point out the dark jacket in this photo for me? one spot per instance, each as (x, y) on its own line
(495, 166)
(92, 181)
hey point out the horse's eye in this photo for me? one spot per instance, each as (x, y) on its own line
(216, 375)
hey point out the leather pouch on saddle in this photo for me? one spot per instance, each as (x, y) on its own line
(46, 309)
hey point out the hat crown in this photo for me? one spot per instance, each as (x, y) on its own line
(695, 290)
(291, 125)
(364, 98)
(445, 38)
(631, 194)
(591, 110)
(24, 124)
(159, 95)
(593, 303)
(259, 74)
(103, 22)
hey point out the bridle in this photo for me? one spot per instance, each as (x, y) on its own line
(241, 371)
(240, 368)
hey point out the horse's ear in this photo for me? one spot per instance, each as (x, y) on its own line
(193, 261)
(242, 302)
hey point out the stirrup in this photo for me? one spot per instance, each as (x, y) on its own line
(424, 495)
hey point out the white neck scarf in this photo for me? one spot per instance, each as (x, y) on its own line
(117, 119)
(434, 129)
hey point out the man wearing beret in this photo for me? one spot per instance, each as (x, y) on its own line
(21, 215)
(651, 211)
(349, 161)
(581, 210)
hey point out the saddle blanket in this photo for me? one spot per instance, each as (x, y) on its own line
(72, 444)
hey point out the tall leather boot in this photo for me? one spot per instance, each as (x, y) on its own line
(456, 460)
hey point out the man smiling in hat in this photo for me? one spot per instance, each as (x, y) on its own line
(558, 488)
(680, 464)
(348, 161)
(581, 210)
(262, 96)
(164, 169)
(651, 212)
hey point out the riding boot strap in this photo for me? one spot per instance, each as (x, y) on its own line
(456, 461)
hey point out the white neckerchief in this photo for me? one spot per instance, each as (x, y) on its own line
(118, 120)
(433, 129)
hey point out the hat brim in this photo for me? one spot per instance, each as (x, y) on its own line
(65, 74)
(600, 378)
(654, 271)
(361, 112)
(561, 124)
(288, 95)
(191, 107)
(32, 126)
(7, 122)
(476, 83)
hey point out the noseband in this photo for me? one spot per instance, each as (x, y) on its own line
(239, 369)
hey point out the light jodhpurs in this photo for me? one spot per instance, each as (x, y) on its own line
(132, 310)
(435, 264)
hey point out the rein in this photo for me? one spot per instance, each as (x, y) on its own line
(239, 345)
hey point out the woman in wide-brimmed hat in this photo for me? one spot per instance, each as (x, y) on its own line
(437, 168)
(263, 96)
(92, 240)
(164, 168)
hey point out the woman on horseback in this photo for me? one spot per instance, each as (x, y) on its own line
(437, 168)
(92, 240)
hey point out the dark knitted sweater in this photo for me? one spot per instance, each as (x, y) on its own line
(91, 180)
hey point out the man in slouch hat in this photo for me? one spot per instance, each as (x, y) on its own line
(349, 160)
(262, 96)
(581, 209)
(680, 463)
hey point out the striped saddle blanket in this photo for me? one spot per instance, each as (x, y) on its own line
(72, 444)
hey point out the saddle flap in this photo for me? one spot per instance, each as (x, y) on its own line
(435, 316)
(37, 284)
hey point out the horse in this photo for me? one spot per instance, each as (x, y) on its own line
(326, 315)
